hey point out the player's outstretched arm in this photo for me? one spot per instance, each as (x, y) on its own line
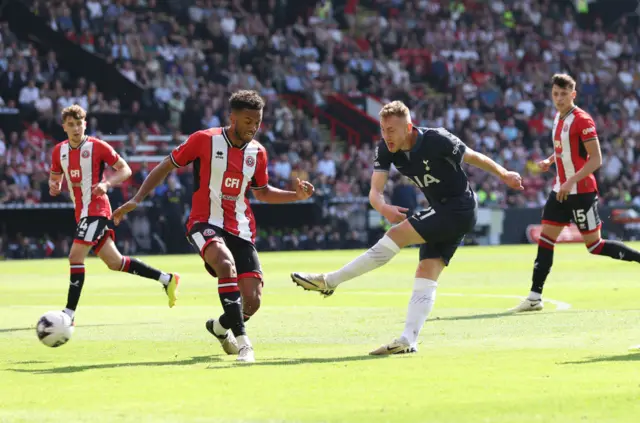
(155, 178)
(479, 160)
(123, 172)
(393, 214)
(273, 195)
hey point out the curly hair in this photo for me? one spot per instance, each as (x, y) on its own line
(246, 99)
(75, 112)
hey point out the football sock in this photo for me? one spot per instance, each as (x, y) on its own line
(614, 249)
(542, 265)
(69, 313)
(218, 329)
(420, 305)
(76, 281)
(232, 305)
(243, 340)
(136, 267)
(374, 257)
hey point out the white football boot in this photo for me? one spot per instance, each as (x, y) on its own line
(313, 282)
(227, 341)
(528, 305)
(246, 354)
(398, 346)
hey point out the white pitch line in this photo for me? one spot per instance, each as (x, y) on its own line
(560, 305)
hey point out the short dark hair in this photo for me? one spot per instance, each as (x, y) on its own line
(246, 99)
(563, 81)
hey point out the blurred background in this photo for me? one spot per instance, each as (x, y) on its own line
(151, 72)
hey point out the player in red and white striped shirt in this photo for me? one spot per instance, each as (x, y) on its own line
(575, 193)
(226, 163)
(81, 160)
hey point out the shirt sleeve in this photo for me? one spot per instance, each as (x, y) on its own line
(186, 152)
(587, 129)
(56, 166)
(107, 153)
(450, 145)
(261, 177)
(382, 158)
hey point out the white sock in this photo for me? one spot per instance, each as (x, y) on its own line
(69, 312)
(420, 305)
(218, 329)
(534, 296)
(165, 278)
(243, 340)
(374, 257)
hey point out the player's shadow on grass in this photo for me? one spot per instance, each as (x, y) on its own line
(82, 368)
(631, 356)
(296, 361)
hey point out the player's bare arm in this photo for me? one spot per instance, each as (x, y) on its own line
(272, 195)
(155, 178)
(593, 163)
(511, 179)
(55, 183)
(123, 172)
(393, 214)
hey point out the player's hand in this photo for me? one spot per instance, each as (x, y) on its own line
(513, 180)
(394, 214)
(304, 189)
(544, 165)
(100, 188)
(120, 214)
(565, 190)
(55, 188)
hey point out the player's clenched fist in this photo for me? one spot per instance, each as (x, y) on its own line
(55, 187)
(304, 189)
(394, 214)
(545, 165)
(121, 212)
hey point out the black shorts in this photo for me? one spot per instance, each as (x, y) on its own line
(244, 253)
(581, 209)
(443, 230)
(94, 231)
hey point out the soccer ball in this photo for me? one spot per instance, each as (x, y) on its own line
(54, 328)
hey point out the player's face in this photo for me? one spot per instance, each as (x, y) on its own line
(246, 123)
(394, 131)
(74, 128)
(562, 97)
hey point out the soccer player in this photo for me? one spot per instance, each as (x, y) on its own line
(81, 161)
(226, 163)
(575, 194)
(432, 159)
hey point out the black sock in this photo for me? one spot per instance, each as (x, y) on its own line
(136, 267)
(543, 263)
(232, 305)
(614, 249)
(76, 281)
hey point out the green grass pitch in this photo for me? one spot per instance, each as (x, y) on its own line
(132, 359)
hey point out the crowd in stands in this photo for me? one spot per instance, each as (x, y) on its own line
(482, 72)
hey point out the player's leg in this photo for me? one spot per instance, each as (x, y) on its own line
(77, 255)
(588, 220)
(380, 254)
(249, 274)
(229, 328)
(110, 255)
(555, 216)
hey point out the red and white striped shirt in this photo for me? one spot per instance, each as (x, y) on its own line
(222, 174)
(83, 167)
(570, 132)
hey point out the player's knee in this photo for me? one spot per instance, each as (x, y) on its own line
(75, 257)
(224, 267)
(113, 264)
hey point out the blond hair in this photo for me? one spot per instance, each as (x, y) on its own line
(395, 108)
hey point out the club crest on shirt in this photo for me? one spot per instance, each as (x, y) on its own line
(85, 154)
(250, 161)
(565, 128)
